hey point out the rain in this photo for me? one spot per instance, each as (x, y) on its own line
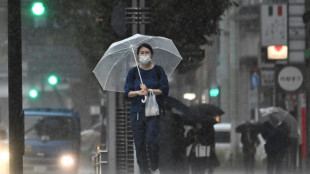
(150, 86)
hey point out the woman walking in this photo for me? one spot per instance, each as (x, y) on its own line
(146, 128)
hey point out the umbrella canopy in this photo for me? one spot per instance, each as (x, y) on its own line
(276, 116)
(178, 105)
(205, 112)
(205, 109)
(248, 126)
(113, 67)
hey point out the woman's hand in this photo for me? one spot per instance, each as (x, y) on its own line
(142, 92)
(143, 87)
(137, 93)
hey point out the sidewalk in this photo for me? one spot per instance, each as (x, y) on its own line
(237, 171)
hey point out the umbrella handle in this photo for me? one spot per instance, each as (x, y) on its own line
(144, 100)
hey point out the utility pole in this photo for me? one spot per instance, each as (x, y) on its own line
(233, 83)
(16, 116)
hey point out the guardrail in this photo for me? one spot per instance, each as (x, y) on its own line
(100, 160)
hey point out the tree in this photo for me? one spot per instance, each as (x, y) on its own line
(187, 23)
(87, 24)
(84, 24)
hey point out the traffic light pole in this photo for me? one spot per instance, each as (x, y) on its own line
(16, 121)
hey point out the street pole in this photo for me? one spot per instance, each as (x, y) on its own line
(16, 116)
(233, 76)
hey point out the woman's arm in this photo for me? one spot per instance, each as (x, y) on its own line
(156, 91)
(132, 94)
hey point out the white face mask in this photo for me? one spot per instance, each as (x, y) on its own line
(145, 59)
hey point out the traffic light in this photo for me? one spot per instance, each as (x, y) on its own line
(214, 92)
(52, 80)
(38, 8)
(33, 93)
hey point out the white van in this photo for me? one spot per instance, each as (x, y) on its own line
(224, 149)
(223, 143)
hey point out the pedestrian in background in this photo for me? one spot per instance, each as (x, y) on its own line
(277, 142)
(202, 154)
(145, 129)
(249, 139)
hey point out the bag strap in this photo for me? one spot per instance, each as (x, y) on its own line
(135, 71)
(151, 92)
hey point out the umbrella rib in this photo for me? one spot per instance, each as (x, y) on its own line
(125, 49)
(138, 43)
(167, 51)
(121, 58)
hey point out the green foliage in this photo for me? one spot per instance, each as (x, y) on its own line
(87, 25)
(187, 23)
(84, 24)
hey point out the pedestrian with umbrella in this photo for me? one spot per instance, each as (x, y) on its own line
(249, 139)
(143, 83)
(277, 127)
(201, 138)
(146, 129)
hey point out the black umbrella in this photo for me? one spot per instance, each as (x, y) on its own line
(205, 112)
(248, 126)
(205, 109)
(178, 105)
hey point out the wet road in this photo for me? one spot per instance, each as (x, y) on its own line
(89, 170)
(86, 171)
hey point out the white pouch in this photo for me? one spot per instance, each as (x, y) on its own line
(151, 106)
(202, 151)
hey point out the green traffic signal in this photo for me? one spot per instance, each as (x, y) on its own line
(33, 93)
(38, 8)
(52, 80)
(214, 92)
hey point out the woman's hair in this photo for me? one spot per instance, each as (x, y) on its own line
(146, 46)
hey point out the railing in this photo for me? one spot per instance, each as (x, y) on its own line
(100, 160)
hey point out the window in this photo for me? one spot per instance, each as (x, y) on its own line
(48, 128)
(222, 137)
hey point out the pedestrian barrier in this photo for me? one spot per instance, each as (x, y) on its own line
(100, 160)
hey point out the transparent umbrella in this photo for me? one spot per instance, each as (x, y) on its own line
(112, 69)
(276, 116)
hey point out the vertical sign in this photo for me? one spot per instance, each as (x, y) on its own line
(274, 24)
(296, 30)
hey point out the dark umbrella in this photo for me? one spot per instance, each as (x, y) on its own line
(251, 126)
(178, 105)
(187, 115)
(205, 109)
(205, 112)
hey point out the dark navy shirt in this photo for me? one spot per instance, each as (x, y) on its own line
(150, 79)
